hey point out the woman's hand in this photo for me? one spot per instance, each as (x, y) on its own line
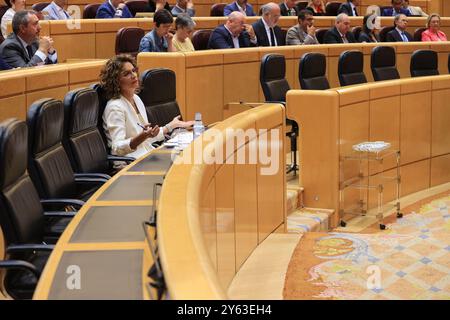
(177, 123)
(147, 132)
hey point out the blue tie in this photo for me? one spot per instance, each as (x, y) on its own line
(405, 38)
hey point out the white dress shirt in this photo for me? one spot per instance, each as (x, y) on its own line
(120, 122)
(266, 26)
(242, 10)
(353, 8)
(235, 39)
(8, 16)
(55, 12)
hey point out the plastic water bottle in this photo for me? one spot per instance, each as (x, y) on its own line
(198, 125)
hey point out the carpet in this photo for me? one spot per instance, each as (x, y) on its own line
(410, 260)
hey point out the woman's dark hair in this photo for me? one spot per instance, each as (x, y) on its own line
(366, 21)
(110, 74)
(162, 16)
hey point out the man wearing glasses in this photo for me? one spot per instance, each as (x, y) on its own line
(304, 32)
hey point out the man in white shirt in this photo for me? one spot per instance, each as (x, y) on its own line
(23, 47)
(55, 10)
(16, 5)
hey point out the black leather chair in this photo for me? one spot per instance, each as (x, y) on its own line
(332, 7)
(320, 34)
(424, 63)
(418, 34)
(312, 72)
(82, 139)
(200, 39)
(25, 225)
(383, 64)
(128, 40)
(383, 33)
(48, 163)
(90, 11)
(217, 9)
(351, 68)
(137, 6)
(159, 95)
(272, 77)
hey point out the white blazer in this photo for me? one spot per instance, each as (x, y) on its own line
(120, 122)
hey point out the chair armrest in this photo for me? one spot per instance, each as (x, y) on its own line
(20, 264)
(119, 158)
(15, 248)
(93, 175)
(52, 214)
(62, 202)
(81, 180)
(280, 102)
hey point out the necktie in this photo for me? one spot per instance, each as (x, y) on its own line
(405, 38)
(272, 38)
(355, 12)
(30, 51)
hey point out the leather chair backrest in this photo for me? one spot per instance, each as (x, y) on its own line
(351, 68)
(332, 7)
(128, 40)
(82, 139)
(272, 76)
(200, 39)
(39, 6)
(418, 34)
(217, 9)
(312, 70)
(384, 31)
(90, 11)
(320, 34)
(21, 213)
(383, 64)
(159, 95)
(48, 163)
(137, 6)
(102, 101)
(424, 63)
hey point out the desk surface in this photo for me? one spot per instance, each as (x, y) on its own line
(104, 247)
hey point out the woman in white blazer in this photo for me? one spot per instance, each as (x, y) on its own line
(125, 119)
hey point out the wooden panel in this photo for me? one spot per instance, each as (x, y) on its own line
(85, 74)
(13, 107)
(205, 93)
(246, 209)
(66, 49)
(48, 78)
(241, 82)
(56, 93)
(440, 170)
(207, 216)
(440, 137)
(226, 265)
(415, 177)
(105, 45)
(12, 83)
(415, 127)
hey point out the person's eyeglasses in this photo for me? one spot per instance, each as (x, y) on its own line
(129, 73)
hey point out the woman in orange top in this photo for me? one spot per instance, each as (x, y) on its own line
(316, 7)
(433, 33)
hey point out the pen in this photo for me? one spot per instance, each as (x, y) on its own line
(140, 125)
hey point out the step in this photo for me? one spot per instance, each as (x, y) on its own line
(294, 195)
(309, 219)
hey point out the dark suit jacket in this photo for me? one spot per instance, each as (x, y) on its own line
(333, 36)
(261, 35)
(106, 11)
(221, 39)
(364, 37)
(394, 36)
(347, 8)
(284, 10)
(13, 53)
(4, 65)
(233, 7)
(389, 12)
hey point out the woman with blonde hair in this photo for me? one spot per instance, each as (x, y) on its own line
(433, 33)
(317, 7)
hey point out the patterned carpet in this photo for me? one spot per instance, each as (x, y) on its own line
(410, 260)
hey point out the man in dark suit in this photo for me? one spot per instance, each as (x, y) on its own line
(233, 34)
(349, 8)
(288, 8)
(399, 34)
(240, 6)
(267, 32)
(23, 47)
(397, 8)
(341, 32)
(113, 9)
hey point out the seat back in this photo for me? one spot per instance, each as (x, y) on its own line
(320, 34)
(48, 163)
(351, 68)
(200, 39)
(418, 34)
(217, 9)
(312, 70)
(39, 6)
(128, 40)
(272, 76)
(332, 7)
(102, 101)
(301, 5)
(82, 139)
(90, 11)
(383, 33)
(137, 6)
(21, 212)
(424, 63)
(383, 64)
(159, 95)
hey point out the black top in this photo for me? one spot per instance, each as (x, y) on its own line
(333, 36)
(261, 35)
(364, 37)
